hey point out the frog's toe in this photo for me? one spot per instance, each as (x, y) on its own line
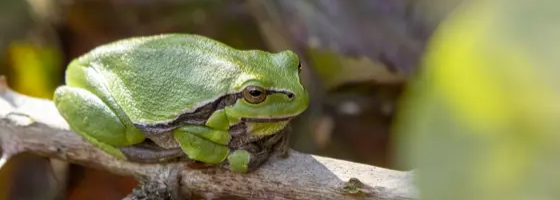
(245, 161)
(239, 161)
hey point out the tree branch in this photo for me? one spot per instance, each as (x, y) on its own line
(34, 125)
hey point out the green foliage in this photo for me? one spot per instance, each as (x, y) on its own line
(481, 120)
(36, 68)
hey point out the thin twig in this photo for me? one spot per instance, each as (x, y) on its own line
(4, 159)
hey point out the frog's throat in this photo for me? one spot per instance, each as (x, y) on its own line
(201, 113)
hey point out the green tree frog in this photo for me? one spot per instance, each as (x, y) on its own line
(175, 96)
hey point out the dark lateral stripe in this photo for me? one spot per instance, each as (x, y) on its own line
(195, 117)
(200, 115)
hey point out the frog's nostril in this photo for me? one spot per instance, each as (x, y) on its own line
(290, 95)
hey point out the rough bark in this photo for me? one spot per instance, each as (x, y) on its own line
(34, 125)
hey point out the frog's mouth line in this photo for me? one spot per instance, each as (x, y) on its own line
(266, 120)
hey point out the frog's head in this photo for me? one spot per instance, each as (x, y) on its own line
(270, 88)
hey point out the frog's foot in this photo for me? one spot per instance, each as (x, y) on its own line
(150, 152)
(248, 158)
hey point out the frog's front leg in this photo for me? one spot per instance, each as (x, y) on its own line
(202, 143)
(248, 158)
(208, 145)
(259, 151)
(210, 142)
(251, 156)
(280, 142)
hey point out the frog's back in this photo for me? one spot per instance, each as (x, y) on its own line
(156, 78)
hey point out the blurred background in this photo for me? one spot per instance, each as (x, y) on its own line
(359, 58)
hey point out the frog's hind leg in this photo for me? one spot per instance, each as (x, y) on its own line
(90, 117)
(90, 110)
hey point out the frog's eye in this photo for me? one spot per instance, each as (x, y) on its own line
(299, 67)
(254, 94)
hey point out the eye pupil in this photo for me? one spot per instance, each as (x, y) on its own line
(255, 93)
(290, 95)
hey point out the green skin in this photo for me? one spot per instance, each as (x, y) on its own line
(188, 95)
